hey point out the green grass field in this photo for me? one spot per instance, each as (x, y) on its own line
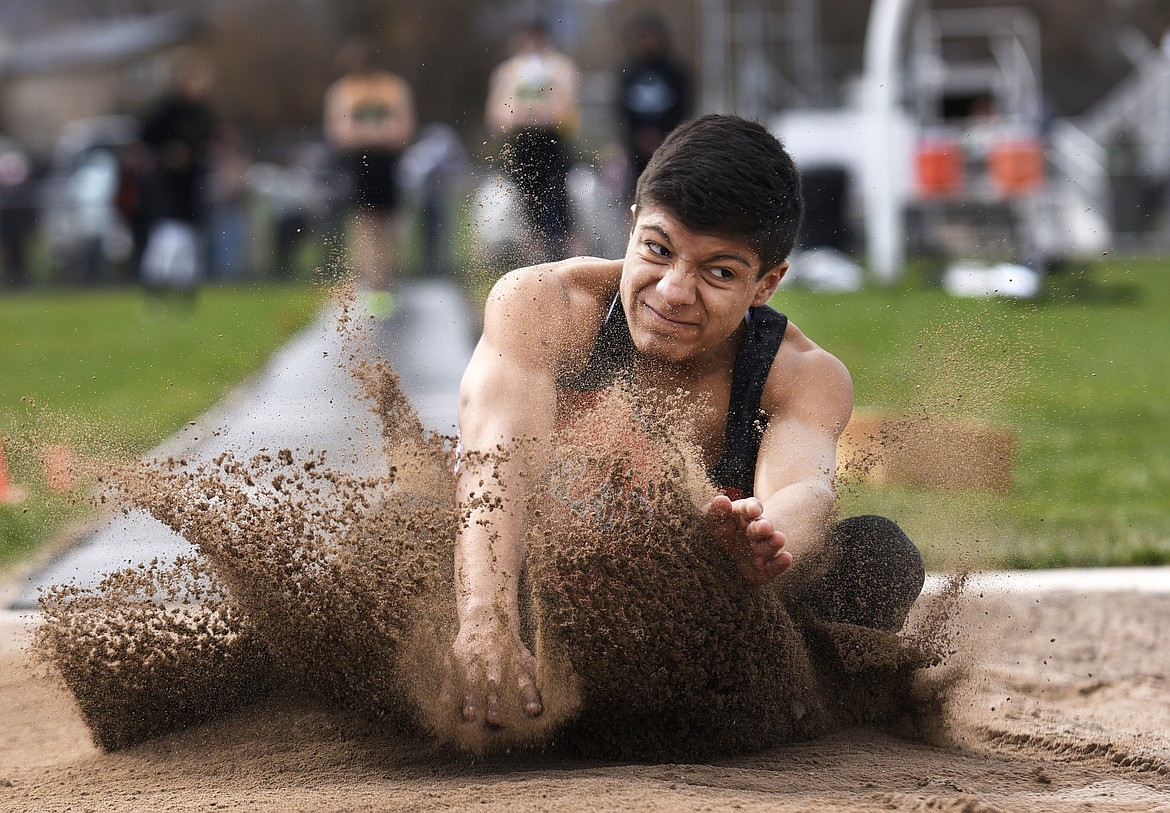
(1082, 376)
(109, 373)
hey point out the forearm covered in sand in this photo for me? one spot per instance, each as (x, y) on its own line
(802, 511)
(496, 471)
(797, 466)
(506, 415)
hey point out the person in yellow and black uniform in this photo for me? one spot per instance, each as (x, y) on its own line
(369, 120)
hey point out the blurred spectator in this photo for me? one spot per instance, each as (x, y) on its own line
(91, 191)
(228, 248)
(532, 103)
(435, 169)
(369, 121)
(291, 201)
(17, 211)
(655, 91)
(178, 132)
(87, 198)
(135, 166)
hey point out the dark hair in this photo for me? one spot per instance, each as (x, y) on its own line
(727, 176)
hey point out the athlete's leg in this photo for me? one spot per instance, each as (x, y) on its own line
(875, 576)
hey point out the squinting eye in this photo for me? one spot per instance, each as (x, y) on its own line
(656, 248)
(722, 273)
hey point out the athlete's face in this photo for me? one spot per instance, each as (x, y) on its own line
(685, 293)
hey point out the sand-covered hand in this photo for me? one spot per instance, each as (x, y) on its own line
(755, 545)
(488, 664)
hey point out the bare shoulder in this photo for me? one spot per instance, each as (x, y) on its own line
(577, 287)
(808, 383)
(555, 306)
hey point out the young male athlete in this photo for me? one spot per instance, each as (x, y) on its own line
(715, 215)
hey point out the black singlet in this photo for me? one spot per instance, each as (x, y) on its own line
(613, 357)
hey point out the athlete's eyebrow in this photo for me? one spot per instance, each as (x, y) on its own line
(724, 257)
(652, 227)
(744, 261)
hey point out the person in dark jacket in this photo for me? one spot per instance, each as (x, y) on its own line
(177, 132)
(654, 92)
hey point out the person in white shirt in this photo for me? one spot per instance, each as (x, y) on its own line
(533, 106)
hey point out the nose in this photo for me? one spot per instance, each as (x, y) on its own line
(677, 286)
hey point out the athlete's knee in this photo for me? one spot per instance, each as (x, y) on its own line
(878, 568)
(877, 540)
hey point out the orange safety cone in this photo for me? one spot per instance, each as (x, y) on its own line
(9, 494)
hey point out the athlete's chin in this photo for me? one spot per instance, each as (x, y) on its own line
(663, 349)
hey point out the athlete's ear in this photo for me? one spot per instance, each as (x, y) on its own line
(633, 216)
(769, 283)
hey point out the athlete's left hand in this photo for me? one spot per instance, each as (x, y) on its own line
(755, 545)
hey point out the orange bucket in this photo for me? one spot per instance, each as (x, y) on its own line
(938, 169)
(1016, 166)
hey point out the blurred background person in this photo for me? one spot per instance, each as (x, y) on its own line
(436, 170)
(91, 191)
(17, 211)
(227, 200)
(178, 132)
(369, 120)
(654, 93)
(533, 105)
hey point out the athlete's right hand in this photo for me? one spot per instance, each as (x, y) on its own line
(488, 660)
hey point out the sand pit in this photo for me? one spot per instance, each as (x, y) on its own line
(1064, 708)
(299, 662)
(315, 585)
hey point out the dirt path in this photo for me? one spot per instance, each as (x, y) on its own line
(1064, 707)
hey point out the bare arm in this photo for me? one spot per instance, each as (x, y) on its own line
(795, 471)
(507, 395)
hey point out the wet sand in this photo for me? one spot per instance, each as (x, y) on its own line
(1064, 708)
